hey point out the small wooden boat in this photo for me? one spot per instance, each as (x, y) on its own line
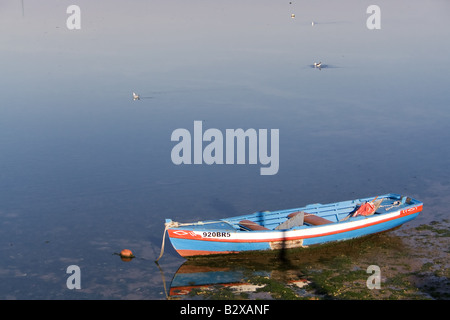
(299, 227)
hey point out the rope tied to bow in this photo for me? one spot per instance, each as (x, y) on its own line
(174, 224)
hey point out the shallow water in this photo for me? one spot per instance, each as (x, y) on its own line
(86, 171)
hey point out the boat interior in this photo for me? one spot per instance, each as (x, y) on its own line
(317, 214)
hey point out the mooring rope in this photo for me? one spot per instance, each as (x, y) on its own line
(174, 224)
(395, 204)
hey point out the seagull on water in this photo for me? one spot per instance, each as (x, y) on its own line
(317, 64)
(136, 96)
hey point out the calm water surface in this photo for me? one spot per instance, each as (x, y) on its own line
(86, 172)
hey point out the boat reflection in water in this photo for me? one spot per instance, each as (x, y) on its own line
(197, 278)
(331, 270)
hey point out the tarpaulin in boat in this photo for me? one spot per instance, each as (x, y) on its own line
(367, 208)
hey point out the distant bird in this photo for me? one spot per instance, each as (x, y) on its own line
(313, 23)
(317, 64)
(136, 96)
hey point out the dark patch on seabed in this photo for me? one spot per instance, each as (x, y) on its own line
(413, 264)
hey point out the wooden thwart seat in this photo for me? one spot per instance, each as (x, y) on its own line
(316, 220)
(294, 219)
(310, 218)
(247, 224)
